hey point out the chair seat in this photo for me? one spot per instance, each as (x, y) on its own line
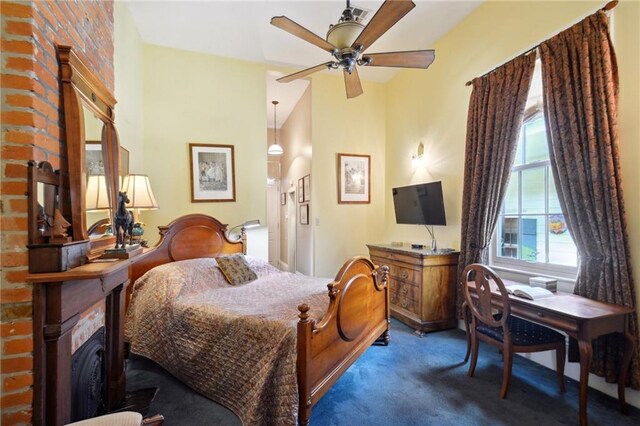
(523, 332)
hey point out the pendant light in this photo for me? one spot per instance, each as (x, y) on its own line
(275, 149)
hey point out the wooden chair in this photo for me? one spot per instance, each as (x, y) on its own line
(509, 333)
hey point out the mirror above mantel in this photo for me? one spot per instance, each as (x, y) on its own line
(89, 116)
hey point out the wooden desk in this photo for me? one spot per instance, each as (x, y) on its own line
(584, 320)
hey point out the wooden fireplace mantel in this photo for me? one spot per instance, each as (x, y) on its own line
(59, 300)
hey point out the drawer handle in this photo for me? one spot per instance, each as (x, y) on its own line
(404, 303)
(404, 290)
(540, 314)
(405, 274)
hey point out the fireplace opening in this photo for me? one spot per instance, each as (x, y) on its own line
(88, 378)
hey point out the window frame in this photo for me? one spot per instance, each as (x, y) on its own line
(519, 265)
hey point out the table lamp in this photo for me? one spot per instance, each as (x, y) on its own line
(141, 197)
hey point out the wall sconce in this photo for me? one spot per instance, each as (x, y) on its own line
(416, 159)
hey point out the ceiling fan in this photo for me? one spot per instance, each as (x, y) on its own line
(348, 39)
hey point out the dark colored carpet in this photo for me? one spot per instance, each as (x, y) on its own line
(413, 381)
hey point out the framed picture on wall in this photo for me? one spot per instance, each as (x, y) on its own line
(304, 214)
(354, 179)
(283, 199)
(300, 191)
(212, 173)
(306, 184)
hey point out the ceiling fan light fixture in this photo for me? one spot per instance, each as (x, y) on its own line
(343, 34)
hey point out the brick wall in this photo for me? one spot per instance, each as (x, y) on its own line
(31, 129)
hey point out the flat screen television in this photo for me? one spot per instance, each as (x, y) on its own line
(420, 204)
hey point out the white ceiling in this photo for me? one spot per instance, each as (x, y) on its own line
(241, 29)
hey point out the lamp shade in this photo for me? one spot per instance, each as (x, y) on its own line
(97, 197)
(275, 149)
(139, 191)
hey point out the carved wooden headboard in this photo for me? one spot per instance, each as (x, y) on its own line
(188, 237)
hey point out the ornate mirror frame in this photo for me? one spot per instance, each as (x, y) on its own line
(80, 86)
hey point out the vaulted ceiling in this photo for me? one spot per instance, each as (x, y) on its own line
(241, 30)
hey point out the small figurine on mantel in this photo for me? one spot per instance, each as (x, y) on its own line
(58, 232)
(123, 222)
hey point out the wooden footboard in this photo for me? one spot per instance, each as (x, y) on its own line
(357, 316)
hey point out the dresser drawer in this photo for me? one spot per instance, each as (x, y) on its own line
(402, 288)
(404, 302)
(404, 274)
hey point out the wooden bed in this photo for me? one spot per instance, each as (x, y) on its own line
(357, 314)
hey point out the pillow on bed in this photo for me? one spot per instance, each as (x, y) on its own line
(235, 269)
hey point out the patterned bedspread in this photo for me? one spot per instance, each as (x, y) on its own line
(234, 344)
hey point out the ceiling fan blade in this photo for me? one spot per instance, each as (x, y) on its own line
(352, 83)
(386, 17)
(298, 30)
(410, 59)
(303, 73)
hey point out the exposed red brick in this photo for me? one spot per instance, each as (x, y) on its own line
(16, 364)
(15, 295)
(16, 9)
(13, 223)
(17, 346)
(12, 258)
(17, 82)
(15, 240)
(19, 64)
(17, 152)
(12, 170)
(16, 417)
(19, 118)
(15, 276)
(16, 328)
(18, 27)
(14, 136)
(18, 381)
(17, 46)
(14, 188)
(18, 205)
(16, 399)
(19, 100)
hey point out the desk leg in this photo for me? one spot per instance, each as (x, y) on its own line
(585, 363)
(629, 347)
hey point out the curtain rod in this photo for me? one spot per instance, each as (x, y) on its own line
(606, 7)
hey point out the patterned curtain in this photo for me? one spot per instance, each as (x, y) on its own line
(495, 116)
(580, 80)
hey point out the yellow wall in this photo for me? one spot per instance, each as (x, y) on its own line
(352, 126)
(197, 98)
(128, 61)
(432, 107)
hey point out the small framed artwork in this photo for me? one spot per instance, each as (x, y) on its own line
(94, 165)
(354, 179)
(212, 173)
(283, 199)
(300, 191)
(304, 214)
(306, 184)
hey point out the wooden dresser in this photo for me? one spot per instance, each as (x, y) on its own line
(422, 285)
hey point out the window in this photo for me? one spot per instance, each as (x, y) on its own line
(532, 234)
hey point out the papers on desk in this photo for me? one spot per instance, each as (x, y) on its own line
(528, 292)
